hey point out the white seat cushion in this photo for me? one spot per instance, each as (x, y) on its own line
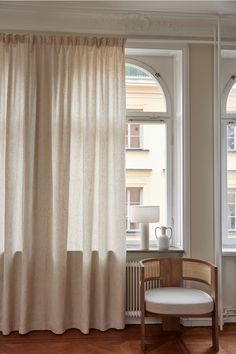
(173, 300)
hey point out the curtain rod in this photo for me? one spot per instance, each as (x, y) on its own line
(148, 38)
(153, 38)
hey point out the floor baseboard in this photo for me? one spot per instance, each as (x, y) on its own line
(186, 322)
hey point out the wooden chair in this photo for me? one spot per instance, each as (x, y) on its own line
(171, 300)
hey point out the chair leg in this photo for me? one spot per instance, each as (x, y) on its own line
(143, 331)
(215, 332)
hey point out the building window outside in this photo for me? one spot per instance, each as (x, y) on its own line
(231, 138)
(133, 137)
(133, 197)
(232, 211)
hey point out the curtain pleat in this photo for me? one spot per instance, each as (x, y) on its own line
(62, 183)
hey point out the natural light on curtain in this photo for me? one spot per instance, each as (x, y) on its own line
(62, 215)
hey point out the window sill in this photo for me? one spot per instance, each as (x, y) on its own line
(228, 252)
(139, 169)
(133, 249)
(135, 254)
(137, 150)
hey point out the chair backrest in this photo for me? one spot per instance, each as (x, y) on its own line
(151, 268)
(197, 270)
(172, 271)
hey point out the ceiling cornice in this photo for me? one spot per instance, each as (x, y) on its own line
(194, 8)
(69, 17)
(75, 7)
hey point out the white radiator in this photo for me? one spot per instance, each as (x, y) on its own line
(132, 289)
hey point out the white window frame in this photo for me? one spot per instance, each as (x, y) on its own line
(226, 242)
(143, 116)
(227, 118)
(234, 149)
(227, 89)
(232, 191)
(175, 150)
(128, 147)
(180, 140)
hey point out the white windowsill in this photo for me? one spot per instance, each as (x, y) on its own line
(229, 252)
(154, 249)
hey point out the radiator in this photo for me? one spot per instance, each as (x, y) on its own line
(132, 289)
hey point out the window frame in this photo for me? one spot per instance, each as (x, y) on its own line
(140, 116)
(226, 242)
(232, 191)
(227, 119)
(234, 149)
(129, 136)
(157, 118)
(180, 104)
(227, 89)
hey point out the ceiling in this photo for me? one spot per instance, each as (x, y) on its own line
(200, 7)
(172, 19)
(209, 7)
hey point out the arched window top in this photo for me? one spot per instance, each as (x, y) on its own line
(144, 90)
(231, 99)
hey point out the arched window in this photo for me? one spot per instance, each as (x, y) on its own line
(148, 152)
(143, 91)
(229, 163)
(146, 91)
(229, 99)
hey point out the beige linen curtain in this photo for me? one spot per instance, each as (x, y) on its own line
(62, 215)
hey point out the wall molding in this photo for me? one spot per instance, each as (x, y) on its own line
(55, 17)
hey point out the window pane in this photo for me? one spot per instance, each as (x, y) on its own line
(146, 177)
(231, 138)
(133, 136)
(143, 91)
(134, 129)
(231, 209)
(231, 183)
(231, 223)
(231, 100)
(133, 197)
(231, 198)
(231, 143)
(134, 142)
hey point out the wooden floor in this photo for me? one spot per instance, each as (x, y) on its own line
(198, 341)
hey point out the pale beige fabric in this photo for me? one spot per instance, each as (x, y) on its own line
(62, 215)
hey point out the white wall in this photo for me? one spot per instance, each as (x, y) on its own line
(201, 151)
(201, 145)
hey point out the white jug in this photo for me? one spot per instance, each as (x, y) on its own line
(163, 239)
